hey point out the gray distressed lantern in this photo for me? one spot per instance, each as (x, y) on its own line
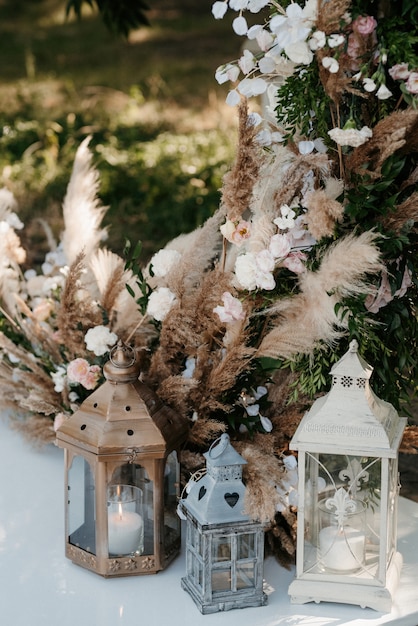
(224, 547)
(348, 493)
(122, 475)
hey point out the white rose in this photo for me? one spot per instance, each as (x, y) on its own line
(160, 302)
(99, 339)
(265, 261)
(246, 271)
(163, 261)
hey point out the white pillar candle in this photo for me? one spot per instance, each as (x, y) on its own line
(341, 550)
(124, 532)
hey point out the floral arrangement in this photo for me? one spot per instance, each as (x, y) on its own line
(314, 244)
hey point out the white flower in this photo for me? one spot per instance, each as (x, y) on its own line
(58, 378)
(246, 271)
(233, 98)
(238, 5)
(253, 410)
(383, 93)
(299, 53)
(287, 219)
(219, 9)
(306, 147)
(260, 392)
(99, 339)
(247, 62)
(227, 72)
(331, 64)
(190, 367)
(266, 424)
(265, 261)
(264, 39)
(160, 302)
(239, 25)
(249, 87)
(350, 136)
(280, 246)
(163, 261)
(369, 85)
(335, 40)
(318, 40)
(265, 280)
(231, 310)
(267, 65)
(254, 6)
(291, 28)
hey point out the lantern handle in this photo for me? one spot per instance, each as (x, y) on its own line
(219, 446)
(121, 347)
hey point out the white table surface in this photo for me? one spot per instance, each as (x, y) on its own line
(39, 586)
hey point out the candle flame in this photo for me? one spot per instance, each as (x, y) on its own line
(120, 510)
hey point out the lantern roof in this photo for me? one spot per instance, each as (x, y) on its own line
(218, 497)
(123, 414)
(350, 418)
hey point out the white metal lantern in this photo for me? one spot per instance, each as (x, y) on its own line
(348, 490)
(122, 475)
(224, 548)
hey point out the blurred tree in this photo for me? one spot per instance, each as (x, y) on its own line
(120, 16)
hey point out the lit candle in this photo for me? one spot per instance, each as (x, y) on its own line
(341, 549)
(125, 530)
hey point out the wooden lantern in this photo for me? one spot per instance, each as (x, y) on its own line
(224, 547)
(348, 492)
(122, 475)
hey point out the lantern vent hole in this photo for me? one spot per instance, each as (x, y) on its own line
(83, 426)
(130, 432)
(127, 408)
(231, 499)
(346, 381)
(95, 405)
(202, 492)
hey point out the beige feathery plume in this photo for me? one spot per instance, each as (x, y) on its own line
(82, 210)
(75, 315)
(238, 184)
(205, 431)
(398, 132)
(295, 176)
(405, 212)
(206, 243)
(262, 473)
(323, 213)
(309, 317)
(330, 14)
(111, 278)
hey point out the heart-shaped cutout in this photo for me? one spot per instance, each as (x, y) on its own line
(202, 492)
(231, 498)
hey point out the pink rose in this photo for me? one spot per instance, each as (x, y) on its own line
(412, 83)
(79, 371)
(364, 24)
(294, 262)
(231, 311)
(241, 233)
(280, 246)
(399, 71)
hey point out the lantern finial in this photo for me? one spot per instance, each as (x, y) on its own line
(122, 366)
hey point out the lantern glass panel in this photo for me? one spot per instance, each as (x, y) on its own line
(172, 522)
(246, 546)
(342, 514)
(245, 576)
(136, 475)
(81, 508)
(221, 548)
(392, 505)
(222, 580)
